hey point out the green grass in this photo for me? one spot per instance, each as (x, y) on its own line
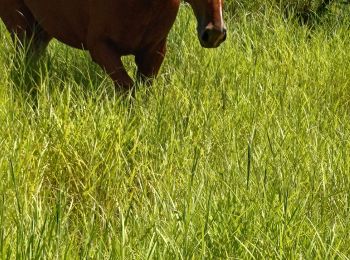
(239, 152)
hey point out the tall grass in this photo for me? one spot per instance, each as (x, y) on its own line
(239, 152)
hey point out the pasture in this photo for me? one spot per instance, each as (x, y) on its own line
(238, 152)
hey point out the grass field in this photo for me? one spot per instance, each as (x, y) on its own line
(239, 152)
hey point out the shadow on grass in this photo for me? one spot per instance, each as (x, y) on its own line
(62, 69)
(25, 76)
(31, 75)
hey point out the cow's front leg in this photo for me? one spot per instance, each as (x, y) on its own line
(104, 54)
(149, 62)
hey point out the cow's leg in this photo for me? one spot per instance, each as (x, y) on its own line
(24, 28)
(149, 62)
(104, 54)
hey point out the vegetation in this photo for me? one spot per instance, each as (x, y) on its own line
(305, 11)
(239, 152)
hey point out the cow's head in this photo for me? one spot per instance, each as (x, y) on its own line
(211, 28)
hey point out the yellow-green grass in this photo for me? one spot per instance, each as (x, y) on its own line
(239, 152)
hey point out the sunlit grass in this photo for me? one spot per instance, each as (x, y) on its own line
(239, 152)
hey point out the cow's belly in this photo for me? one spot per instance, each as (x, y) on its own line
(131, 25)
(66, 21)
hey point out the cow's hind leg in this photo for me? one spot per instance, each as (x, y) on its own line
(30, 41)
(25, 31)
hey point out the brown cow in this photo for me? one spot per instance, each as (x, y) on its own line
(109, 29)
